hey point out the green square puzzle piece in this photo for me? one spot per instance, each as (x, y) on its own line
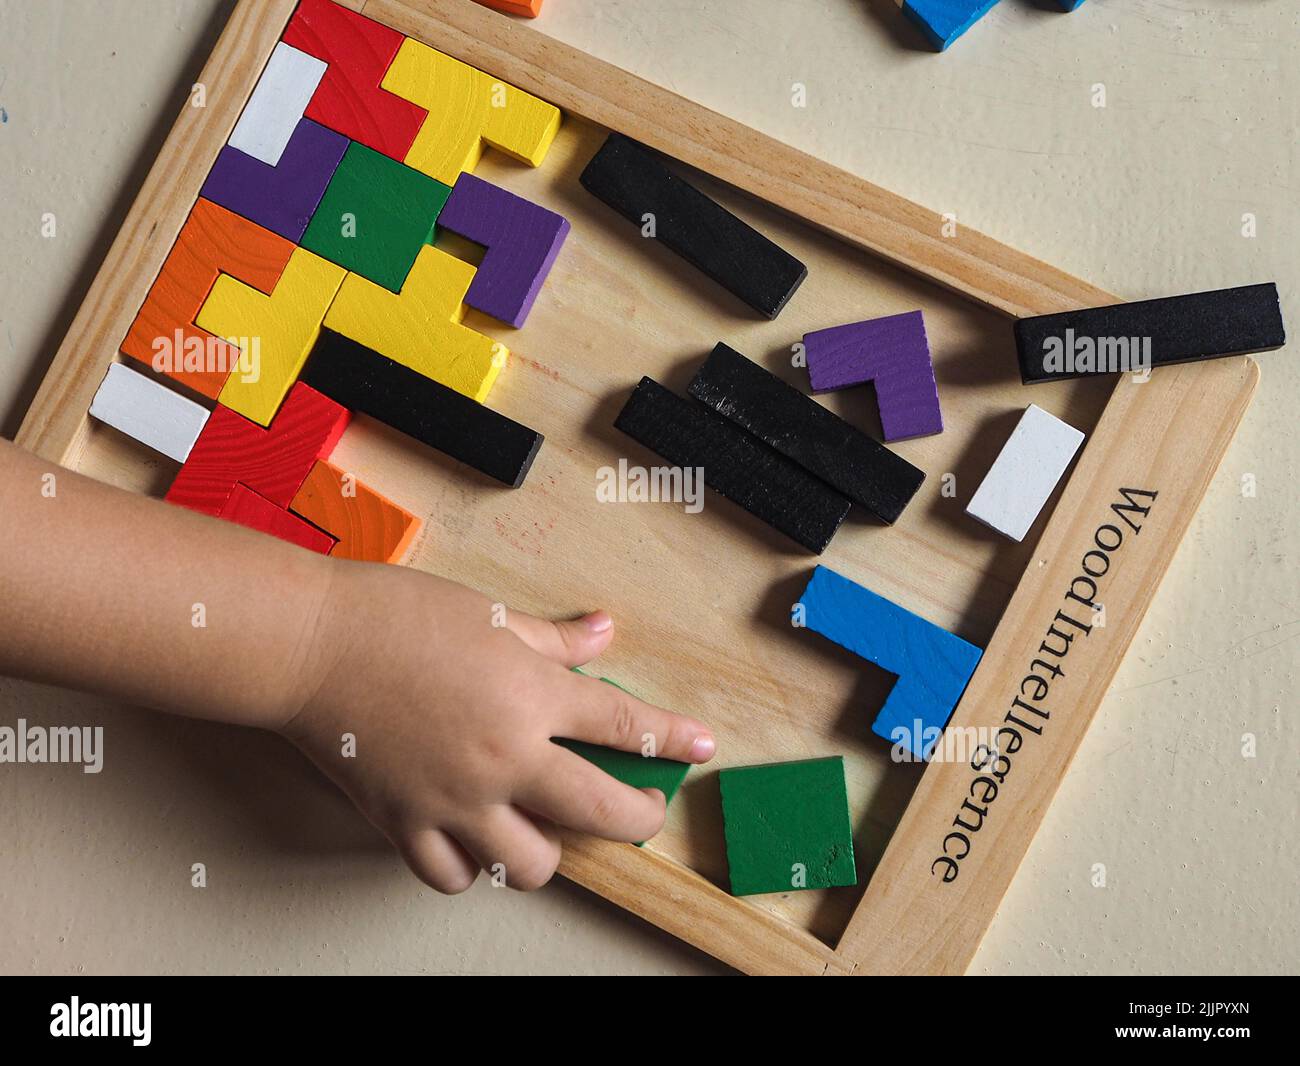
(630, 767)
(787, 826)
(375, 216)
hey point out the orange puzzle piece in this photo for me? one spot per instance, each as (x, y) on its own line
(213, 241)
(530, 9)
(366, 526)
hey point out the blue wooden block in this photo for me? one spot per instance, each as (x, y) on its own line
(1069, 5)
(933, 665)
(943, 21)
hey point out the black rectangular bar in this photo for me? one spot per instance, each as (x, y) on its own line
(1173, 329)
(740, 467)
(803, 430)
(635, 183)
(371, 384)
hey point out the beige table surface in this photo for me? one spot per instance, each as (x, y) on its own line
(1143, 197)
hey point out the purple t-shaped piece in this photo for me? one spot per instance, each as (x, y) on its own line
(894, 353)
(281, 198)
(522, 241)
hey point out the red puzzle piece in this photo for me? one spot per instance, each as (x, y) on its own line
(349, 99)
(273, 462)
(247, 508)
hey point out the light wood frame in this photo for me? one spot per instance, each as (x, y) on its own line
(1164, 436)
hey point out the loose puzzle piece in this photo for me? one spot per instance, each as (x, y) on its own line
(375, 216)
(527, 8)
(275, 333)
(635, 183)
(1134, 337)
(467, 109)
(280, 198)
(277, 104)
(371, 384)
(630, 767)
(805, 432)
(213, 241)
(366, 526)
(1025, 472)
(273, 462)
(943, 21)
(740, 467)
(892, 352)
(349, 99)
(149, 412)
(247, 508)
(421, 326)
(933, 665)
(522, 241)
(787, 826)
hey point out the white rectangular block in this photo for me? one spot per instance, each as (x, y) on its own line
(1025, 473)
(151, 413)
(274, 110)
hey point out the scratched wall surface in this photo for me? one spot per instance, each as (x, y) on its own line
(1143, 196)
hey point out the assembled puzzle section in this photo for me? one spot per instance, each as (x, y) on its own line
(319, 216)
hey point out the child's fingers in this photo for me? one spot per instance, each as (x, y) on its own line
(569, 643)
(511, 847)
(570, 791)
(605, 714)
(438, 861)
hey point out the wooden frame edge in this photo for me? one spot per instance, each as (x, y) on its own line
(677, 899)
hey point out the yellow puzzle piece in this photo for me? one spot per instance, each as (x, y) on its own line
(420, 327)
(467, 108)
(275, 333)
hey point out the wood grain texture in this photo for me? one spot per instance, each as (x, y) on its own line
(1165, 436)
(713, 641)
(275, 332)
(740, 933)
(272, 462)
(213, 241)
(367, 527)
(467, 110)
(249, 509)
(349, 99)
(56, 425)
(421, 327)
(896, 229)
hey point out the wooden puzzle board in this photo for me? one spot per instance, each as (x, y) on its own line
(703, 601)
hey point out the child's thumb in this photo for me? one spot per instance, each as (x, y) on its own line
(570, 643)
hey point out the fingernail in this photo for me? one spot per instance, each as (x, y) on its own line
(703, 748)
(598, 621)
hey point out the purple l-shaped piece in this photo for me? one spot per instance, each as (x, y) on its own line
(894, 353)
(522, 241)
(281, 198)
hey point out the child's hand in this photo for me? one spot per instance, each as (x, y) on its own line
(453, 717)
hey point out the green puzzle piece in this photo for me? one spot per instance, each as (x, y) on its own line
(784, 820)
(630, 767)
(375, 216)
